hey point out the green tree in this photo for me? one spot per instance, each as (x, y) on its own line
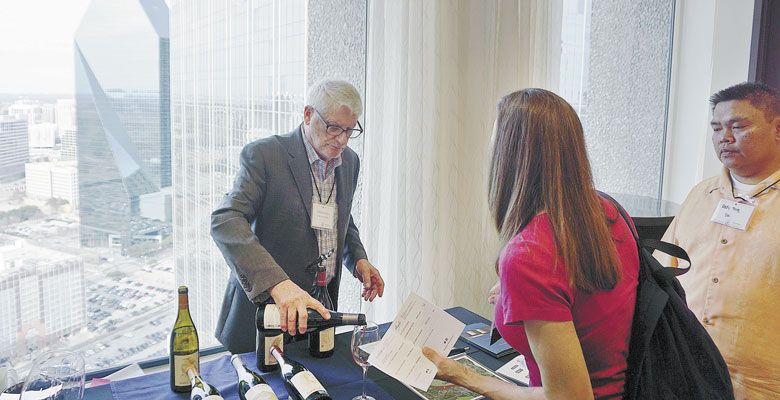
(17, 196)
(116, 275)
(55, 204)
(20, 214)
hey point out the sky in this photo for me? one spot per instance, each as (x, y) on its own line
(36, 45)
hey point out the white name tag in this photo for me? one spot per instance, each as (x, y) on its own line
(733, 214)
(322, 216)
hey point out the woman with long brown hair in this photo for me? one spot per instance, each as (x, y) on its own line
(568, 271)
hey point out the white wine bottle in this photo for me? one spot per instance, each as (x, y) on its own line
(183, 346)
(200, 390)
(301, 384)
(267, 337)
(251, 386)
(322, 340)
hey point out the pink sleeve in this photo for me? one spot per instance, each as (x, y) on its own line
(533, 287)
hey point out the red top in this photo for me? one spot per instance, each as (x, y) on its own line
(533, 288)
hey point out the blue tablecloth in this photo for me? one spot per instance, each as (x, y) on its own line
(338, 373)
(340, 376)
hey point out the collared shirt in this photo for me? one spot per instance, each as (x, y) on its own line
(741, 189)
(323, 185)
(733, 286)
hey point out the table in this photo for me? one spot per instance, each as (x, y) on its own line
(339, 374)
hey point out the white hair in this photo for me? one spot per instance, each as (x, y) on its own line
(328, 95)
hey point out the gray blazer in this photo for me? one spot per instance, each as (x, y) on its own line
(263, 230)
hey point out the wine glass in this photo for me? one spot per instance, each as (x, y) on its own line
(56, 374)
(8, 375)
(362, 337)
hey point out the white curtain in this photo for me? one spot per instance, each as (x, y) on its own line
(435, 72)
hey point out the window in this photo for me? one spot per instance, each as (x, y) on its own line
(238, 74)
(106, 191)
(615, 71)
(85, 245)
(109, 171)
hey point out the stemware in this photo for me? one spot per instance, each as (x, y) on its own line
(56, 374)
(362, 337)
(8, 377)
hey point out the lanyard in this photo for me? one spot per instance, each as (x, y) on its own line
(312, 174)
(318, 188)
(754, 196)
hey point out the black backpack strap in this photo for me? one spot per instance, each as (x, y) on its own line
(652, 244)
(670, 249)
(622, 212)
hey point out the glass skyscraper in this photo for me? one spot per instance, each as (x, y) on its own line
(123, 119)
(237, 74)
(14, 151)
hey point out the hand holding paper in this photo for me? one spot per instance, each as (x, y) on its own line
(418, 324)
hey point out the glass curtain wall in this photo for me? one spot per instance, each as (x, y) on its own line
(237, 75)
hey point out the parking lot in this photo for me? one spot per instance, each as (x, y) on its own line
(129, 301)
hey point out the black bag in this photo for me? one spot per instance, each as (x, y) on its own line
(671, 355)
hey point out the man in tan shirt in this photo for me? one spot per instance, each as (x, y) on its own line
(730, 226)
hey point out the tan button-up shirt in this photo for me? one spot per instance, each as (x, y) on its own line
(733, 286)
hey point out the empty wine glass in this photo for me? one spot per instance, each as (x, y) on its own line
(362, 337)
(56, 375)
(8, 376)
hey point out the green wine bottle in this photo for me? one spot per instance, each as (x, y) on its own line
(251, 386)
(183, 346)
(201, 390)
(300, 383)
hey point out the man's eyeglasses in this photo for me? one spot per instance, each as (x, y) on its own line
(335, 130)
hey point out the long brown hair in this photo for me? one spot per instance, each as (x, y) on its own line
(539, 163)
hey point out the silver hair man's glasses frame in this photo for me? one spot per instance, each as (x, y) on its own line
(335, 130)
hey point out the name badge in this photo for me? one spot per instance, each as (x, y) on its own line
(322, 216)
(733, 214)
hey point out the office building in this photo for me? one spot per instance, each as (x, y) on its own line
(28, 110)
(14, 149)
(65, 182)
(68, 144)
(37, 180)
(65, 114)
(157, 206)
(122, 116)
(48, 114)
(42, 295)
(46, 180)
(43, 135)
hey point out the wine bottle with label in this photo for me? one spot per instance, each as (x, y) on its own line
(200, 390)
(12, 392)
(301, 384)
(270, 318)
(183, 346)
(251, 386)
(322, 340)
(267, 337)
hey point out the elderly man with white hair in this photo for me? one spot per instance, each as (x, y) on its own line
(291, 201)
